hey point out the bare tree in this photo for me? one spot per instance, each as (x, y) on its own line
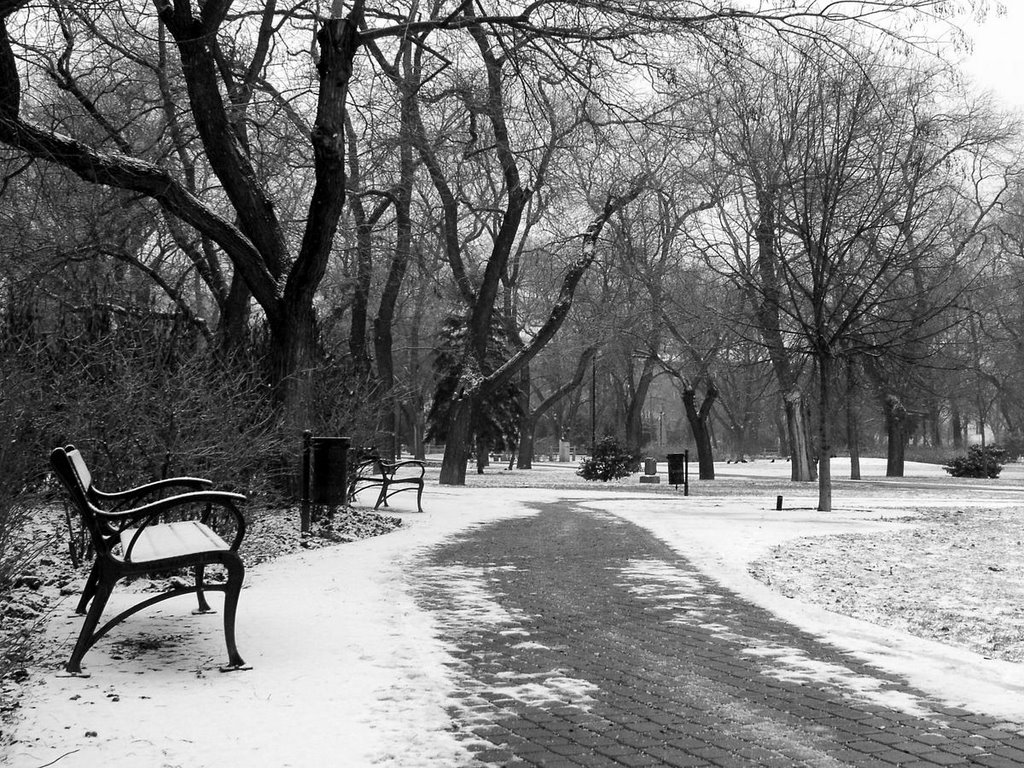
(851, 274)
(278, 242)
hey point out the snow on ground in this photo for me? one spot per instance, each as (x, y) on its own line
(345, 667)
(723, 536)
(348, 667)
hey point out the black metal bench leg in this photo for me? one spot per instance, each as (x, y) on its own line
(101, 593)
(90, 588)
(383, 498)
(419, 497)
(236, 573)
(204, 606)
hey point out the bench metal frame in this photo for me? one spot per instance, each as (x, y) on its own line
(114, 561)
(374, 472)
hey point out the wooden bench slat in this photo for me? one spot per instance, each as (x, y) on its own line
(157, 542)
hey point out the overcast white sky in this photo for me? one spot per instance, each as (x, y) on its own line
(997, 62)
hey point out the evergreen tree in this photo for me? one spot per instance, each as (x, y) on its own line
(495, 421)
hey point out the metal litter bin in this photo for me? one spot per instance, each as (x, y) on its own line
(324, 473)
(679, 470)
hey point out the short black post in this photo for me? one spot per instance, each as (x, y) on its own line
(686, 472)
(778, 502)
(307, 439)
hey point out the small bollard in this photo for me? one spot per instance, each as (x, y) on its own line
(778, 502)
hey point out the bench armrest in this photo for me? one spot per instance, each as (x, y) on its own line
(149, 513)
(132, 496)
(392, 468)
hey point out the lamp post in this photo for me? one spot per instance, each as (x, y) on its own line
(593, 405)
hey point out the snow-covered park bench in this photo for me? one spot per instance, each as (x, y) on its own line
(371, 472)
(134, 539)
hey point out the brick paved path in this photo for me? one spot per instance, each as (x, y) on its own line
(581, 640)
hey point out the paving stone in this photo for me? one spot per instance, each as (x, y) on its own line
(1011, 753)
(551, 761)
(914, 747)
(865, 747)
(637, 760)
(500, 756)
(963, 749)
(943, 758)
(894, 757)
(621, 671)
(995, 761)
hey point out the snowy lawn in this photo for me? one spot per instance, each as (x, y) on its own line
(349, 670)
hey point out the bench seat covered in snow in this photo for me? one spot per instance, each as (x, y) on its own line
(131, 538)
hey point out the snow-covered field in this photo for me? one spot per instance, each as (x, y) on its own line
(349, 670)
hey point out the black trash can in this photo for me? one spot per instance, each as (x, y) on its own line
(324, 474)
(330, 470)
(679, 470)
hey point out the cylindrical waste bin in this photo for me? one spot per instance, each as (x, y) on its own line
(678, 469)
(324, 474)
(330, 470)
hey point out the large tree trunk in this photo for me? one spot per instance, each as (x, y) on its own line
(383, 340)
(635, 406)
(482, 302)
(457, 445)
(358, 347)
(956, 425)
(935, 423)
(527, 423)
(796, 430)
(634, 425)
(824, 436)
(527, 433)
(233, 328)
(766, 301)
(896, 429)
(415, 413)
(699, 426)
(294, 358)
(418, 430)
(852, 423)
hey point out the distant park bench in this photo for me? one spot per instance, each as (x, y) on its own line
(372, 472)
(132, 540)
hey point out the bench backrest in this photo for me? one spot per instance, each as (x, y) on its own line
(74, 474)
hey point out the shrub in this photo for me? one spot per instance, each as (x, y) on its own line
(609, 462)
(138, 417)
(19, 478)
(977, 462)
(1013, 443)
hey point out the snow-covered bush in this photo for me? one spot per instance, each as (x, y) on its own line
(609, 462)
(978, 462)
